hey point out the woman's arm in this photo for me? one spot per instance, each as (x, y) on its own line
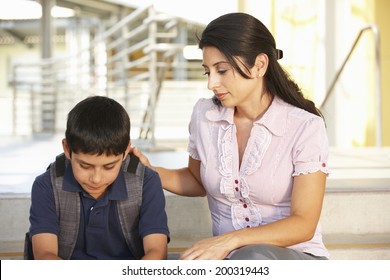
(300, 226)
(184, 181)
(45, 246)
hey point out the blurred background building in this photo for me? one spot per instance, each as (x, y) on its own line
(54, 53)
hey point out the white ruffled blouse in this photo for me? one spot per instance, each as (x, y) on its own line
(285, 142)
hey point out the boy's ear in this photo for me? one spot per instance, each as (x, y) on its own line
(66, 149)
(127, 151)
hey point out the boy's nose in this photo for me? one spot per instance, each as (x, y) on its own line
(95, 177)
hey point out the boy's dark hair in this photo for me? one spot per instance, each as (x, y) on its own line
(98, 125)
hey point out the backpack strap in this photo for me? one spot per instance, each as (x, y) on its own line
(67, 207)
(28, 251)
(129, 208)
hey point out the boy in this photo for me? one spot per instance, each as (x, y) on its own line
(96, 147)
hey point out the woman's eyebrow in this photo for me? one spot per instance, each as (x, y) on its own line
(216, 63)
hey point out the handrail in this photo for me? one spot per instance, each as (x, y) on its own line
(126, 60)
(375, 30)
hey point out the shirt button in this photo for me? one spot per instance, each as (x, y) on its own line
(236, 181)
(248, 226)
(245, 206)
(236, 189)
(323, 164)
(247, 219)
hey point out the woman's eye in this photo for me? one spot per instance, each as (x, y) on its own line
(219, 71)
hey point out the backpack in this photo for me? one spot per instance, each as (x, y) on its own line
(68, 208)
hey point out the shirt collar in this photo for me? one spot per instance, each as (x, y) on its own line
(274, 119)
(117, 190)
(218, 113)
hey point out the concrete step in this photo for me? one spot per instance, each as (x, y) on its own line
(355, 216)
(341, 247)
(345, 235)
(349, 235)
(11, 250)
(374, 246)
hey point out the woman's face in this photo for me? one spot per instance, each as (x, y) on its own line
(227, 84)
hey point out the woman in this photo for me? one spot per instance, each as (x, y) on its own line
(258, 150)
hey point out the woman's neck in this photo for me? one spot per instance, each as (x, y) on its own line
(254, 111)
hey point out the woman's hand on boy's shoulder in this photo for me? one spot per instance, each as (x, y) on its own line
(142, 158)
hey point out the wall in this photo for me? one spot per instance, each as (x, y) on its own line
(382, 10)
(316, 36)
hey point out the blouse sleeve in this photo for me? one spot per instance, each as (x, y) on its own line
(193, 132)
(311, 150)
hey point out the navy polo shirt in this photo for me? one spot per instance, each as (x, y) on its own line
(100, 235)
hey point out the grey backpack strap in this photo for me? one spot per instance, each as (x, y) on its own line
(129, 209)
(67, 207)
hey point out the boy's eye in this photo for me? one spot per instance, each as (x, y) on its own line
(109, 167)
(85, 166)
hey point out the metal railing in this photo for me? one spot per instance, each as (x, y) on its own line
(128, 61)
(330, 91)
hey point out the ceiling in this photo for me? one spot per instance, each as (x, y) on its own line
(96, 8)
(27, 31)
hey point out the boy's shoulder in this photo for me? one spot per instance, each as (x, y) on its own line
(43, 180)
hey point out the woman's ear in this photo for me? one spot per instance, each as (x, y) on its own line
(261, 64)
(66, 149)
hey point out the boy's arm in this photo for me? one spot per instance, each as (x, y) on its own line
(45, 246)
(155, 246)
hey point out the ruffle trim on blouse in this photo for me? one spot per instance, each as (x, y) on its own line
(236, 190)
(225, 150)
(257, 146)
(193, 154)
(245, 217)
(311, 167)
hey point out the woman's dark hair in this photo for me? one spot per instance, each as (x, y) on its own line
(242, 35)
(98, 125)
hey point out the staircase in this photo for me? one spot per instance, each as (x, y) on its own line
(127, 58)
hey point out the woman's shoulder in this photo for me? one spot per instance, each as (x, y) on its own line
(300, 115)
(306, 123)
(295, 118)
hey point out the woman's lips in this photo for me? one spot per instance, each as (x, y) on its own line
(220, 96)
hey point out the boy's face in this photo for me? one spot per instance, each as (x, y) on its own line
(94, 173)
